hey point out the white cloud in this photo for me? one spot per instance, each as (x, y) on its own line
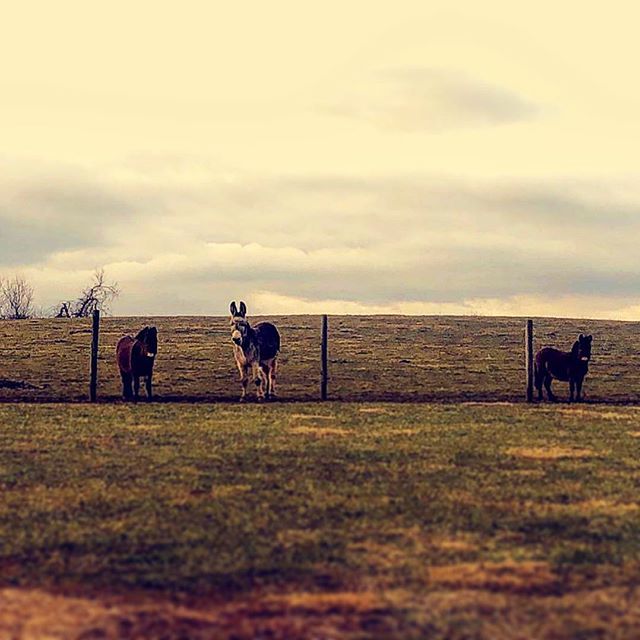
(433, 100)
(265, 302)
(433, 243)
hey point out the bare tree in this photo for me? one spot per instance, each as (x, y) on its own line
(99, 294)
(16, 299)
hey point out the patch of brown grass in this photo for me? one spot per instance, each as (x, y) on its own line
(319, 431)
(325, 603)
(551, 453)
(527, 473)
(499, 601)
(595, 413)
(510, 576)
(460, 544)
(400, 432)
(296, 537)
(595, 507)
(228, 490)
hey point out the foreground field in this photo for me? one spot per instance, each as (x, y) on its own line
(334, 520)
(371, 358)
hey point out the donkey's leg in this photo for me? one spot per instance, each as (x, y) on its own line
(265, 369)
(273, 370)
(579, 390)
(149, 387)
(244, 381)
(572, 387)
(258, 380)
(547, 386)
(127, 392)
(136, 388)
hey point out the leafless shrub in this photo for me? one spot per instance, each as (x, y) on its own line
(16, 299)
(99, 294)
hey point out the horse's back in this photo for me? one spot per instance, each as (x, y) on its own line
(547, 353)
(123, 353)
(552, 360)
(268, 340)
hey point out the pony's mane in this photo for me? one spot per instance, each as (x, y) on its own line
(142, 334)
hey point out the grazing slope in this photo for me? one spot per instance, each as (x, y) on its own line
(382, 357)
(301, 520)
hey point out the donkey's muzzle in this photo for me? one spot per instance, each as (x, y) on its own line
(237, 341)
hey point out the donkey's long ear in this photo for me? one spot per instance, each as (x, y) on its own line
(243, 309)
(233, 309)
(581, 337)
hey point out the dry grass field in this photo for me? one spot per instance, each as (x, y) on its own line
(471, 517)
(341, 520)
(371, 358)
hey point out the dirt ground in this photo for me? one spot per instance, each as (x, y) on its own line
(487, 603)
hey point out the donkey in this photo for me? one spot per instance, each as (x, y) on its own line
(570, 366)
(256, 352)
(136, 357)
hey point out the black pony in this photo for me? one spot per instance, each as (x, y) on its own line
(136, 357)
(569, 367)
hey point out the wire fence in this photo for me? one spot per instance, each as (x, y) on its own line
(369, 358)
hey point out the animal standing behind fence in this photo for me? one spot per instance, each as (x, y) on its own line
(136, 357)
(256, 352)
(569, 366)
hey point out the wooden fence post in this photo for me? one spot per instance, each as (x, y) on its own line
(324, 358)
(528, 358)
(93, 385)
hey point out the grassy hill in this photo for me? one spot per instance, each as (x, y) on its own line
(371, 358)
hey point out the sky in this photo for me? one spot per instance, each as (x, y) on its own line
(415, 157)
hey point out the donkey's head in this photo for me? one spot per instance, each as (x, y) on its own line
(239, 323)
(148, 337)
(582, 348)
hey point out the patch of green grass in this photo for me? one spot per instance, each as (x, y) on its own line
(220, 497)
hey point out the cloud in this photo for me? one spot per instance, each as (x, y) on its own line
(265, 302)
(433, 100)
(44, 215)
(187, 245)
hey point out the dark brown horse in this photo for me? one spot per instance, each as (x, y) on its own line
(256, 352)
(135, 358)
(569, 367)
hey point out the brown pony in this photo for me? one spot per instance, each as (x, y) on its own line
(255, 350)
(569, 366)
(135, 357)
